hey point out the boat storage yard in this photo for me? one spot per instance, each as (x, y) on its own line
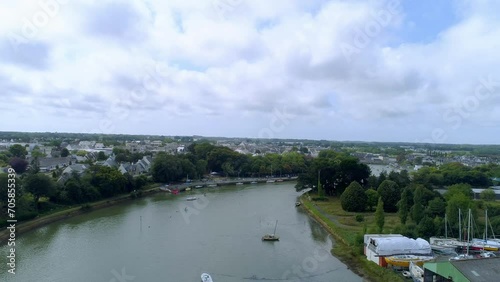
(415, 259)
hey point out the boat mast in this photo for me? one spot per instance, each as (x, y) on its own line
(459, 225)
(445, 227)
(486, 225)
(468, 232)
(275, 227)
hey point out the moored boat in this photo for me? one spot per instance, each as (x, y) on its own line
(404, 260)
(205, 277)
(271, 237)
(191, 198)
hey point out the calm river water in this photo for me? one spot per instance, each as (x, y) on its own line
(166, 238)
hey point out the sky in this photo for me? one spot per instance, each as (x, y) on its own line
(389, 70)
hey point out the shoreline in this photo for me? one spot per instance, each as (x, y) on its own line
(44, 220)
(343, 250)
(38, 222)
(352, 265)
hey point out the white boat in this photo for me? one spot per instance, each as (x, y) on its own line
(416, 272)
(188, 189)
(198, 186)
(485, 244)
(212, 185)
(239, 183)
(205, 277)
(253, 182)
(270, 181)
(191, 198)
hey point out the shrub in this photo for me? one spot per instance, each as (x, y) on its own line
(86, 208)
(360, 218)
(354, 198)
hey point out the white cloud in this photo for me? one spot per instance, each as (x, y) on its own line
(185, 62)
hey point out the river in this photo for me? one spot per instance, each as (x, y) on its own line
(166, 238)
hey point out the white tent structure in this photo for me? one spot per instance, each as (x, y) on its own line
(378, 246)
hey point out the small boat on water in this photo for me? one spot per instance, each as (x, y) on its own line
(253, 182)
(270, 181)
(297, 204)
(239, 183)
(212, 185)
(198, 186)
(205, 277)
(191, 198)
(404, 260)
(188, 189)
(271, 237)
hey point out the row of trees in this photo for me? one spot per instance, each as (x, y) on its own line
(99, 182)
(421, 210)
(203, 158)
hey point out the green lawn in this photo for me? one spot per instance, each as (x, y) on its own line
(348, 234)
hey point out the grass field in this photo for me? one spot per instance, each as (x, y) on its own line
(348, 234)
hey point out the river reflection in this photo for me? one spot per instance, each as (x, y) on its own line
(166, 238)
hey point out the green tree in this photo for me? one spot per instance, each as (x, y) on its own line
(35, 166)
(488, 195)
(40, 185)
(101, 156)
(354, 198)
(417, 211)
(167, 168)
(436, 207)
(404, 206)
(109, 181)
(457, 202)
(379, 215)
(462, 188)
(371, 198)
(426, 228)
(64, 152)
(19, 165)
(18, 151)
(390, 193)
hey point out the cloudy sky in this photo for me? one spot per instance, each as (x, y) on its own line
(408, 70)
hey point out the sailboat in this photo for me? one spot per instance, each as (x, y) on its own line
(444, 245)
(271, 237)
(467, 244)
(485, 244)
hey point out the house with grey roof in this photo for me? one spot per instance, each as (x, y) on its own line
(68, 172)
(50, 164)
